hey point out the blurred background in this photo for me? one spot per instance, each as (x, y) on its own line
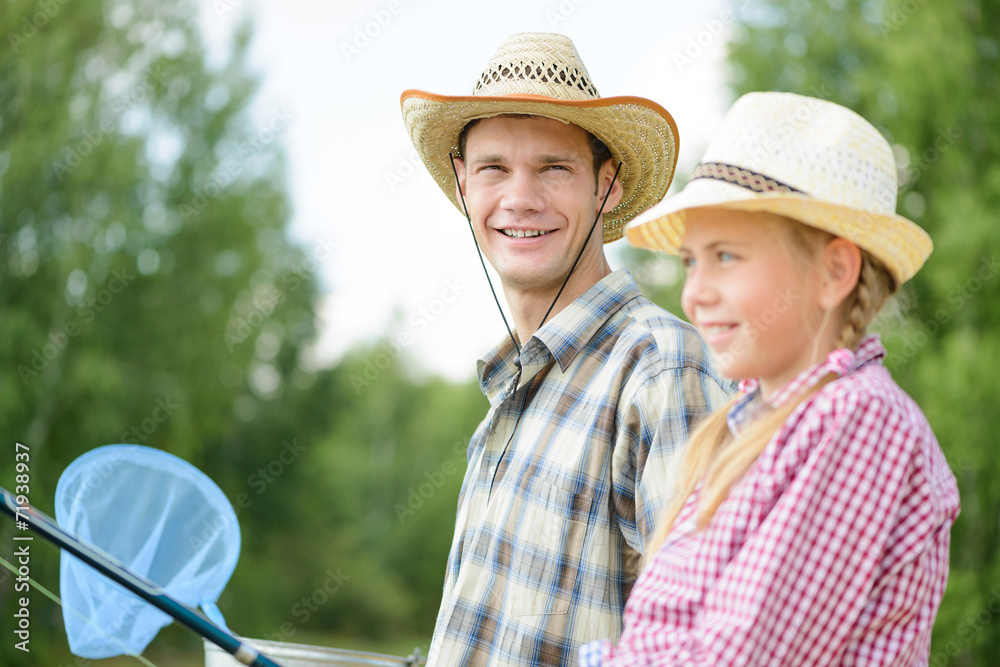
(216, 240)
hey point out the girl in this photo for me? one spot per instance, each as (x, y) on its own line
(813, 522)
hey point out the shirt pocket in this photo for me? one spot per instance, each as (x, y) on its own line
(550, 530)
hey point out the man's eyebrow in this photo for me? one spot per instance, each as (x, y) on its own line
(491, 158)
(554, 158)
(547, 158)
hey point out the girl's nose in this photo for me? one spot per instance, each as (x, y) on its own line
(698, 292)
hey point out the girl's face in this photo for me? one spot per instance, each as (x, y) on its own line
(753, 298)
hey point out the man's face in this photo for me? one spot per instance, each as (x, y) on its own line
(529, 187)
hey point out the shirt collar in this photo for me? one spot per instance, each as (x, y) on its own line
(563, 337)
(840, 361)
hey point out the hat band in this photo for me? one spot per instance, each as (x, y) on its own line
(745, 178)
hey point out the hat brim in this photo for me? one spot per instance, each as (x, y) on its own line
(640, 134)
(897, 242)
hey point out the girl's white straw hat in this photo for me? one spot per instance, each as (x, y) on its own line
(542, 74)
(803, 158)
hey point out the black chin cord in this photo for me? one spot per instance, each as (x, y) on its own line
(583, 247)
(568, 275)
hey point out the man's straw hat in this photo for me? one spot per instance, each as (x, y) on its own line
(806, 159)
(542, 74)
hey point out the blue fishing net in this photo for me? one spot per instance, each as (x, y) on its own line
(163, 519)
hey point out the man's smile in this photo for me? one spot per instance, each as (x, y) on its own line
(524, 233)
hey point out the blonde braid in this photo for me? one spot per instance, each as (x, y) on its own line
(875, 286)
(718, 460)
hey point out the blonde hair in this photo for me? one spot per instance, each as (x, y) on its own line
(712, 456)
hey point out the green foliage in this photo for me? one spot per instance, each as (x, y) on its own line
(927, 75)
(370, 504)
(149, 296)
(142, 259)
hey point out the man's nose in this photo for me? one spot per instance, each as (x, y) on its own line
(524, 192)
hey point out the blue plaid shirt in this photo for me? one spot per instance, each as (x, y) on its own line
(567, 475)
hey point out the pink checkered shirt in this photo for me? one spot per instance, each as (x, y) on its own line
(832, 549)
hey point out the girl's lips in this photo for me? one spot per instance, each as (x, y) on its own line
(718, 333)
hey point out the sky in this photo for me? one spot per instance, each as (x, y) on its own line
(403, 266)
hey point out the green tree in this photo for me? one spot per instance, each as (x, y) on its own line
(366, 517)
(147, 291)
(927, 75)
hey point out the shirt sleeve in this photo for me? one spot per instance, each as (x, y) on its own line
(651, 434)
(592, 654)
(849, 549)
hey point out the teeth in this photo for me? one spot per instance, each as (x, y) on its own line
(522, 233)
(717, 328)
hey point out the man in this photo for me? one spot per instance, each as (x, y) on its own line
(593, 397)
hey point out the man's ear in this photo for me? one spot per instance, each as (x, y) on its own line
(840, 265)
(604, 177)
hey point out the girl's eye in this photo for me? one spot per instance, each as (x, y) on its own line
(725, 256)
(687, 261)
